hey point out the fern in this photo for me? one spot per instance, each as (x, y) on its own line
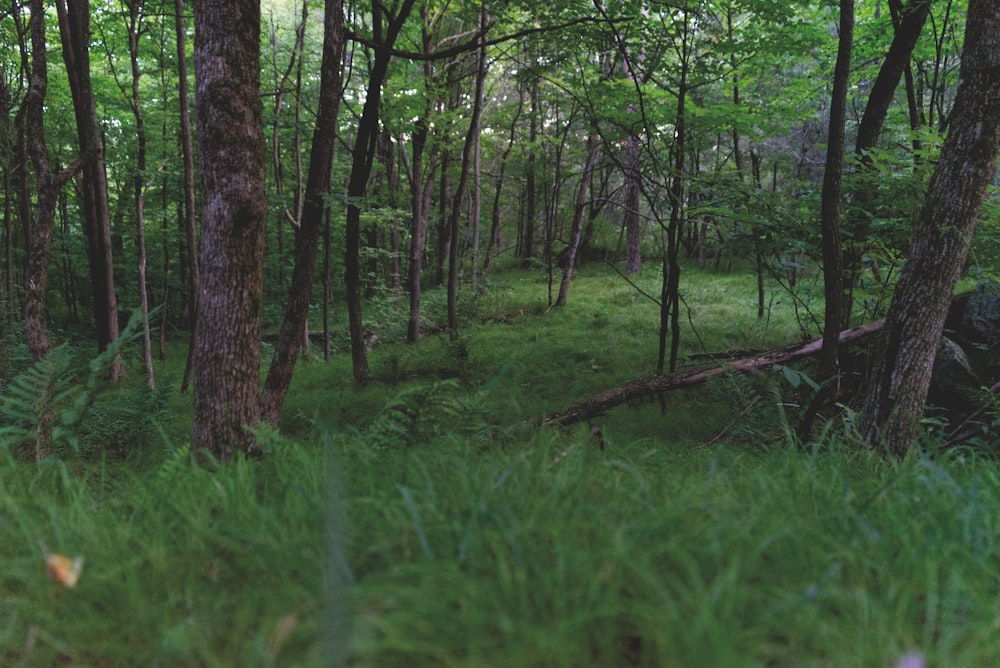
(50, 392)
(423, 413)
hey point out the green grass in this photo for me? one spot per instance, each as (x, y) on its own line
(421, 521)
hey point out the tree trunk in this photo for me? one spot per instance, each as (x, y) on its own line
(139, 188)
(279, 375)
(894, 402)
(531, 203)
(187, 212)
(471, 138)
(579, 211)
(74, 28)
(633, 227)
(599, 404)
(39, 231)
(234, 212)
(361, 166)
(833, 291)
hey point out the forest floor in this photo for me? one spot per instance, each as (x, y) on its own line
(426, 519)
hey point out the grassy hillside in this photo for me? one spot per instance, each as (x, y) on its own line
(424, 521)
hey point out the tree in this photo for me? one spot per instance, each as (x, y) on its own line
(830, 204)
(234, 209)
(899, 385)
(363, 154)
(74, 27)
(279, 374)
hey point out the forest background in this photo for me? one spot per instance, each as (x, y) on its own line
(331, 179)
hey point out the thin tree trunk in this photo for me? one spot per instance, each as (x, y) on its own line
(463, 181)
(894, 403)
(363, 154)
(594, 149)
(188, 210)
(833, 289)
(279, 374)
(139, 188)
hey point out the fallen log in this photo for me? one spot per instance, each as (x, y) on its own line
(600, 403)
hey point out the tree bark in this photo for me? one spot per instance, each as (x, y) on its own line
(895, 398)
(234, 212)
(361, 166)
(39, 231)
(279, 374)
(833, 288)
(74, 28)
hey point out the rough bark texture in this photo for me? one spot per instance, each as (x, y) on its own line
(279, 375)
(940, 244)
(230, 137)
(600, 403)
(74, 26)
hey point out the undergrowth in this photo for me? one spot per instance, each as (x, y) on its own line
(426, 519)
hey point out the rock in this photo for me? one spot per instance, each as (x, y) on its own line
(953, 382)
(981, 321)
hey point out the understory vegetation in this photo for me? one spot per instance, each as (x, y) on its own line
(427, 519)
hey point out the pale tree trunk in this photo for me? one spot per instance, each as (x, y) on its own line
(898, 389)
(579, 211)
(74, 28)
(477, 160)
(279, 375)
(495, 242)
(531, 203)
(830, 204)
(632, 222)
(189, 217)
(234, 212)
(471, 138)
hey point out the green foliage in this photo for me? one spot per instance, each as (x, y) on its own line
(85, 411)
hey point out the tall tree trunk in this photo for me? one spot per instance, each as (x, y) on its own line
(361, 166)
(833, 287)
(579, 211)
(74, 28)
(419, 192)
(463, 180)
(495, 241)
(632, 222)
(898, 390)
(188, 211)
(670, 287)
(39, 231)
(234, 212)
(531, 203)
(279, 374)
(139, 187)
(908, 26)
(477, 159)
